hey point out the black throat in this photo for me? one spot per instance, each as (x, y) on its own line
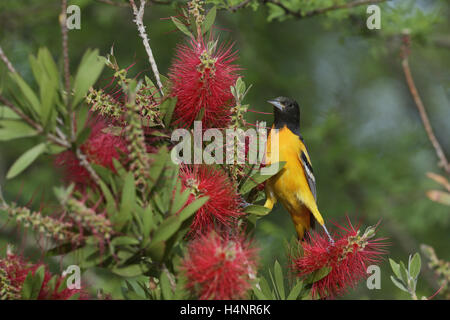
(289, 119)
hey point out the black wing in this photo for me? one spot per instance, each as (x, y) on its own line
(307, 167)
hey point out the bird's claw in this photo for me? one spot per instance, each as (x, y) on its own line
(328, 234)
(244, 204)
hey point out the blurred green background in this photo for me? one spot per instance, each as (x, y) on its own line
(367, 144)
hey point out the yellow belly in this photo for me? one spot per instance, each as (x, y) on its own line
(290, 185)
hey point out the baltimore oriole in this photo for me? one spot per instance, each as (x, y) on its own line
(294, 186)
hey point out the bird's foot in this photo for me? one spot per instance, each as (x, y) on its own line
(244, 204)
(328, 234)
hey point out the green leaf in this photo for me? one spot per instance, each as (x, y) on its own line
(25, 160)
(181, 27)
(318, 275)
(128, 199)
(15, 129)
(48, 95)
(133, 270)
(256, 179)
(192, 207)
(167, 229)
(259, 294)
(33, 283)
(395, 268)
(165, 286)
(403, 272)
(278, 273)
(296, 290)
(209, 20)
(414, 266)
(49, 65)
(124, 240)
(257, 210)
(88, 72)
(265, 289)
(399, 283)
(28, 93)
(167, 108)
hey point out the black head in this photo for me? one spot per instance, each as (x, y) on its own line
(286, 113)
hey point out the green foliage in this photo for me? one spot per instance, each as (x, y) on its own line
(406, 278)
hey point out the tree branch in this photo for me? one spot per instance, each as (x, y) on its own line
(443, 162)
(138, 20)
(300, 14)
(6, 61)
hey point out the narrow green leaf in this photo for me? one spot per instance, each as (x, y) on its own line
(209, 20)
(399, 283)
(415, 265)
(265, 288)
(403, 272)
(167, 108)
(278, 273)
(257, 210)
(259, 294)
(33, 283)
(192, 208)
(133, 270)
(25, 160)
(124, 240)
(48, 95)
(166, 290)
(128, 199)
(181, 27)
(395, 268)
(88, 72)
(28, 93)
(296, 290)
(15, 129)
(256, 179)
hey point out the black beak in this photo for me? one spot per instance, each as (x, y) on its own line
(276, 104)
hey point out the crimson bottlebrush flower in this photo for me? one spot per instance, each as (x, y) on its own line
(348, 259)
(219, 268)
(223, 205)
(201, 77)
(100, 148)
(15, 270)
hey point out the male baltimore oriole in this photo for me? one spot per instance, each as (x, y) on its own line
(294, 186)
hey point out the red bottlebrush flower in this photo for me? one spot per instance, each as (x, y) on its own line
(347, 258)
(201, 77)
(13, 272)
(223, 205)
(100, 148)
(219, 268)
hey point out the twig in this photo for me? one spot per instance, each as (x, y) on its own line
(300, 14)
(139, 16)
(6, 61)
(34, 124)
(443, 162)
(125, 5)
(65, 48)
(239, 5)
(113, 3)
(85, 163)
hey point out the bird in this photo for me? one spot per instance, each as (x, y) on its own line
(294, 185)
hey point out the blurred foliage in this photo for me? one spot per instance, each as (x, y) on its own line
(367, 144)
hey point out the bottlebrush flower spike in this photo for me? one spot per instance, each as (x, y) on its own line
(348, 259)
(13, 272)
(223, 205)
(201, 77)
(100, 148)
(219, 268)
